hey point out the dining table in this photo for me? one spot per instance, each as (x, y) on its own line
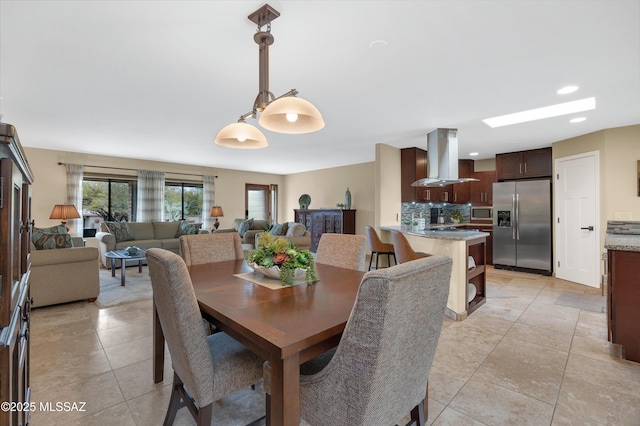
(285, 325)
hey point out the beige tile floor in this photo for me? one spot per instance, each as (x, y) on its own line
(517, 360)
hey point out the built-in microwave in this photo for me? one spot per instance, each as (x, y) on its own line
(482, 213)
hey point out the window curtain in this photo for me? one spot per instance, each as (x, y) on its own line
(75, 173)
(208, 200)
(150, 196)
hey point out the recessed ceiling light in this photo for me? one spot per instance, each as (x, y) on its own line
(473, 154)
(378, 44)
(577, 119)
(567, 89)
(544, 112)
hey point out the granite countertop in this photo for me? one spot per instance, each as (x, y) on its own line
(440, 232)
(624, 242)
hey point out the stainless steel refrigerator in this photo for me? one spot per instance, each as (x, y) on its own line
(522, 225)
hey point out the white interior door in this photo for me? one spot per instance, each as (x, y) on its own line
(577, 218)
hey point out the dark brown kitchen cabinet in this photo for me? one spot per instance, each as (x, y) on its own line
(320, 221)
(461, 191)
(413, 166)
(15, 302)
(534, 163)
(623, 300)
(481, 191)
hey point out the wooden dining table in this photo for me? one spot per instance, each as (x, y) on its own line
(286, 325)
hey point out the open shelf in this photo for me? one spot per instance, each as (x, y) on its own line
(476, 249)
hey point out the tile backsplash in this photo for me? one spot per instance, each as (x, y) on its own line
(424, 209)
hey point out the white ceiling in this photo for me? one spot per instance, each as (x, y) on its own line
(157, 80)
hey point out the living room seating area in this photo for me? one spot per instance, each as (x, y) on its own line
(250, 230)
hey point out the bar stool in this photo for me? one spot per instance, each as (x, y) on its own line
(404, 251)
(377, 247)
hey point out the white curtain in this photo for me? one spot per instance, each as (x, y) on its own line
(208, 200)
(75, 173)
(150, 196)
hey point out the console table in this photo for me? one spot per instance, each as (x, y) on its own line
(319, 221)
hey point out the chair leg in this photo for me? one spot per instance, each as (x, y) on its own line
(174, 401)
(204, 415)
(417, 414)
(371, 259)
(377, 258)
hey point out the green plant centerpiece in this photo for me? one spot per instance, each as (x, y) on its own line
(457, 216)
(283, 254)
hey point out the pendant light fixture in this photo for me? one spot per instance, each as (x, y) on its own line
(285, 114)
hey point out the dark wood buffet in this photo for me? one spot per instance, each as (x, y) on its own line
(320, 221)
(15, 302)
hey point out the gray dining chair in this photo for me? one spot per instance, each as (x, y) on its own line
(206, 368)
(207, 248)
(403, 250)
(342, 250)
(380, 368)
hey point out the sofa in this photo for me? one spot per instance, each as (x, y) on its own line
(295, 232)
(64, 273)
(144, 235)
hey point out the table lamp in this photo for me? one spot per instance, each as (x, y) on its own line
(64, 212)
(216, 211)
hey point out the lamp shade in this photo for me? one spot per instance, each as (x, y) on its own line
(216, 211)
(292, 115)
(241, 135)
(64, 211)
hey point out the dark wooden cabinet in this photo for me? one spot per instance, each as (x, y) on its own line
(461, 192)
(413, 166)
(623, 300)
(481, 191)
(15, 303)
(534, 163)
(320, 221)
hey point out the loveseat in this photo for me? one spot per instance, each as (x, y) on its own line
(295, 232)
(65, 272)
(144, 235)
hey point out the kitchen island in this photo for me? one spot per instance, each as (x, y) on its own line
(467, 249)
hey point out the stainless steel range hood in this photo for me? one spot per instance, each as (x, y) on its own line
(442, 155)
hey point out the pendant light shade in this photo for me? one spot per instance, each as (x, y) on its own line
(241, 135)
(291, 115)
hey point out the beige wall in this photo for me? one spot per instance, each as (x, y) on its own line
(388, 203)
(326, 188)
(484, 165)
(50, 183)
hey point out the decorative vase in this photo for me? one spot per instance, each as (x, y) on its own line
(347, 199)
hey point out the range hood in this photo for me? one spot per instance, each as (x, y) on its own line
(442, 155)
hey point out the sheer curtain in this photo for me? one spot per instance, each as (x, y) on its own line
(75, 173)
(150, 196)
(208, 200)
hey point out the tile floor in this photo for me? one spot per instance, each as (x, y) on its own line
(519, 359)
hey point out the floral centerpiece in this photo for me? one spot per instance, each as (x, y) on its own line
(285, 256)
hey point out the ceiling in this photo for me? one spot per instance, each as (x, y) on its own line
(157, 80)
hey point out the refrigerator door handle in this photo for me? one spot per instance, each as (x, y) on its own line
(513, 222)
(517, 227)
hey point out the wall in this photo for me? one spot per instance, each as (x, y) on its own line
(622, 151)
(50, 183)
(484, 165)
(326, 188)
(388, 197)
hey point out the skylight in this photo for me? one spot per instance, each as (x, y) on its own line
(586, 104)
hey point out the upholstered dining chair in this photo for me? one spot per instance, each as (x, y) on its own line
(404, 251)
(206, 368)
(380, 368)
(342, 250)
(377, 247)
(207, 248)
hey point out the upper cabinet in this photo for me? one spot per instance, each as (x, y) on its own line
(413, 166)
(481, 191)
(461, 191)
(524, 164)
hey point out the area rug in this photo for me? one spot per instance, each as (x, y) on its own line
(589, 302)
(137, 287)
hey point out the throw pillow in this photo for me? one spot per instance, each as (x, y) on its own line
(49, 241)
(284, 229)
(275, 230)
(58, 229)
(186, 228)
(121, 230)
(296, 230)
(245, 226)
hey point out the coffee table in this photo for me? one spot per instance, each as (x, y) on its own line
(124, 256)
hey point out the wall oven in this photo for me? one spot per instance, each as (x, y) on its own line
(482, 213)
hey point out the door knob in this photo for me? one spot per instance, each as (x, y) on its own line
(588, 228)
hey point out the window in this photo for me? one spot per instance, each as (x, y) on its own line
(183, 201)
(261, 202)
(107, 199)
